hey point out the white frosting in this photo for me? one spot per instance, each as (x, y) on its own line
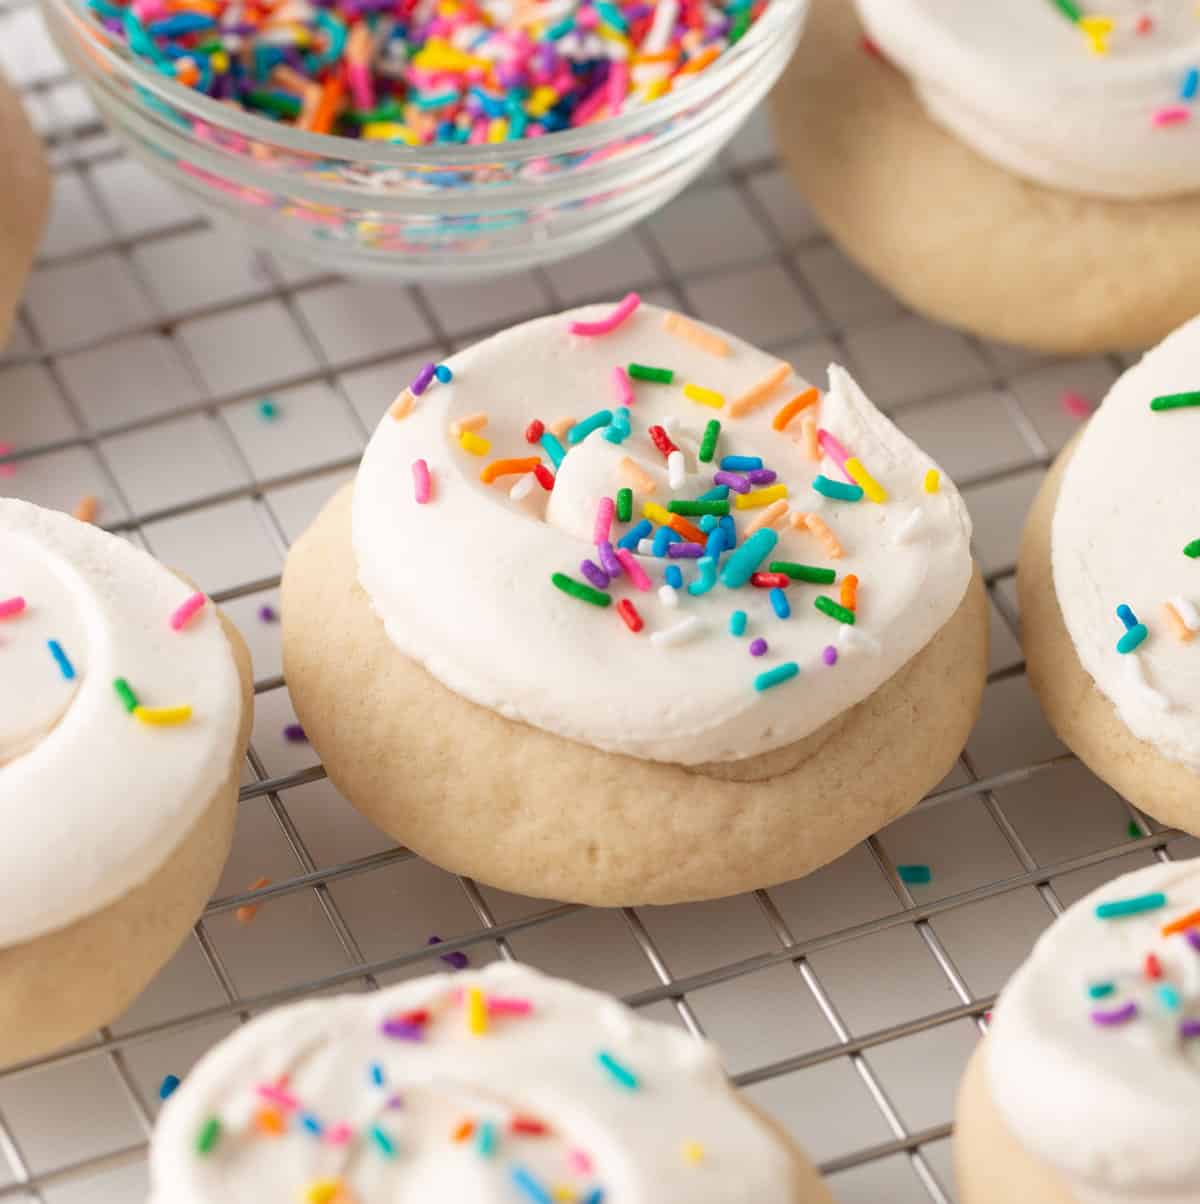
(1127, 508)
(1019, 83)
(92, 800)
(463, 584)
(1111, 1107)
(680, 1135)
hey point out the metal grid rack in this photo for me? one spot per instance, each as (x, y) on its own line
(847, 1003)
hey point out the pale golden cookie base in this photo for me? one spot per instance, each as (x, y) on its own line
(61, 987)
(807, 1186)
(537, 814)
(24, 202)
(957, 237)
(990, 1164)
(1085, 720)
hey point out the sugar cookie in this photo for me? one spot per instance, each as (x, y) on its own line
(122, 726)
(23, 202)
(582, 693)
(1109, 583)
(498, 1084)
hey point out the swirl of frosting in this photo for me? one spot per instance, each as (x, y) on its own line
(1093, 1058)
(463, 581)
(1090, 97)
(99, 781)
(1125, 534)
(494, 1086)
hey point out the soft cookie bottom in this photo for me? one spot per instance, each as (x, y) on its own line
(60, 987)
(1084, 718)
(537, 814)
(959, 238)
(990, 1164)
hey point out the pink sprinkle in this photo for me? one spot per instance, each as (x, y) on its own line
(1174, 115)
(631, 566)
(360, 86)
(623, 386)
(579, 1162)
(1076, 404)
(618, 85)
(277, 1095)
(11, 606)
(422, 482)
(498, 1006)
(605, 511)
(620, 313)
(186, 610)
(829, 656)
(7, 470)
(338, 1134)
(835, 451)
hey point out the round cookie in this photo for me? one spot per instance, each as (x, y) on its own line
(512, 732)
(493, 1085)
(24, 202)
(961, 237)
(1109, 529)
(1086, 1088)
(121, 738)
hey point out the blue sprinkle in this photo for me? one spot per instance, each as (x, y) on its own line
(715, 545)
(1191, 81)
(168, 1086)
(737, 623)
(595, 1196)
(663, 537)
(377, 1074)
(56, 651)
(180, 23)
(780, 604)
(1135, 632)
(639, 531)
(915, 875)
(311, 1123)
(530, 1187)
(1127, 617)
(727, 525)
(740, 463)
(674, 576)
(443, 373)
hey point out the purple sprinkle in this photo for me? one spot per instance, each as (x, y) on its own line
(1193, 939)
(760, 476)
(594, 573)
(267, 614)
(758, 647)
(456, 960)
(685, 551)
(608, 559)
(421, 383)
(395, 1102)
(737, 483)
(829, 656)
(1189, 1028)
(294, 734)
(1117, 1016)
(402, 1030)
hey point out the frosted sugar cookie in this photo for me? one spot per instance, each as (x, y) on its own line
(1109, 580)
(1029, 171)
(124, 716)
(500, 1085)
(623, 611)
(1086, 1088)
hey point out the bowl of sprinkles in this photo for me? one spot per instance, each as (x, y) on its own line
(427, 138)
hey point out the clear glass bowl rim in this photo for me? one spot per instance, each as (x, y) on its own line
(119, 59)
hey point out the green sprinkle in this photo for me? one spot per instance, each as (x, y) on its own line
(125, 694)
(1133, 831)
(268, 410)
(1175, 401)
(738, 30)
(708, 444)
(804, 572)
(624, 505)
(697, 507)
(776, 676)
(621, 1074)
(383, 1143)
(915, 875)
(837, 490)
(1193, 549)
(1069, 9)
(1098, 990)
(828, 606)
(1131, 907)
(278, 104)
(577, 589)
(660, 376)
(210, 1134)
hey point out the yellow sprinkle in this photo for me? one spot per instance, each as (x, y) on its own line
(693, 1152)
(656, 513)
(477, 1015)
(706, 397)
(766, 517)
(690, 332)
(469, 441)
(388, 131)
(469, 422)
(608, 34)
(402, 406)
(660, 87)
(633, 472)
(541, 101)
(933, 481)
(497, 129)
(870, 486)
(563, 1193)
(163, 716)
(323, 1191)
(1097, 30)
(219, 61)
(759, 497)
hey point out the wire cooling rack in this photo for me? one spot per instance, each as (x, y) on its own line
(846, 1003)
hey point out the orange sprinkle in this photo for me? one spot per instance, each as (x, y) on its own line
(1191, 920)
(849, 592)
(327, 107)
(788, 412)
(85, 508)
(469, 422)
(559, 427)
(659, 56)
(759, 394)
(508, 468)
(186, 72)
(702, 60)
(290, 80)
(463, 1131)
(684, 328)
(248, 911)
(270, 1121)
(1177, 625)
(633, 472)
(808, 429)
(767, 517)
(681, 526)
(402, 406)
(821, 529)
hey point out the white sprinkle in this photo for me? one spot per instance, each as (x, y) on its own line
(520, 491)
(1187, 612)
(681, 633)
(676, 470)
(665, 14)
(912, 528)
(645, 547)
(668, 595)
(1136, 673)
(850, 639)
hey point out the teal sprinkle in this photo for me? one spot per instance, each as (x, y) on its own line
(1168, 996)
(268, 409)
(385, 1145)
(737, 623)
(437, 100)
(707, 522)
(444, 374)
(776, 676)
(610, 14)
(837, 490)
(707, 568)
(581, 430)
(561, 30)
(719, 494)
(552, 448)
(742, 562)
(1131, 907)
(485, 1139)
(1133, 638)
(1100, 990)
(915, 875)
(621, 1075)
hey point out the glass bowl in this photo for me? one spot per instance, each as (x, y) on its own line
(424, 212)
